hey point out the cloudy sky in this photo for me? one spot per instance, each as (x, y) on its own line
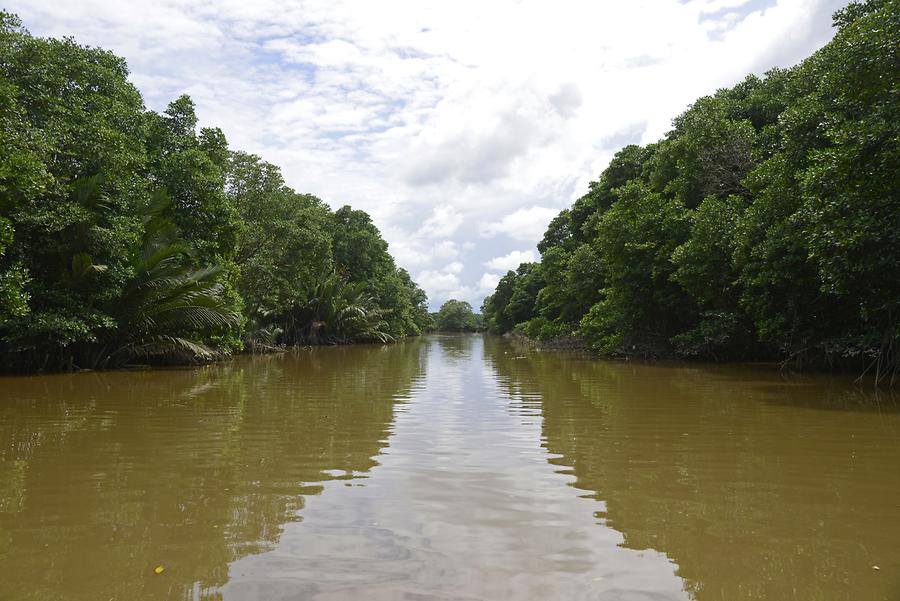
(461, 127)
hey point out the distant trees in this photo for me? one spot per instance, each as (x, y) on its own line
(457, 316)
(765, 224)
(128, 235)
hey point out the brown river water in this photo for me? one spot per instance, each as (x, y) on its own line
(448, 467)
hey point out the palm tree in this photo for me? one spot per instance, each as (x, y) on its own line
(262, 332)
(168, 305)
(335, 311)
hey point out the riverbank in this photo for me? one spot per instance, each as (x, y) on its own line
(23, 367)
(864, 372)
(559, 343)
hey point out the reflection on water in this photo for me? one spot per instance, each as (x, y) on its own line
(104, 476)
(463, 506)
(451, 467)
(756, 485)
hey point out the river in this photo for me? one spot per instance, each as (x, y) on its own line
(448, 467)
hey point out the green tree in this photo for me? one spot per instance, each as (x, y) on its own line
(168, 308)
(68, 111)
(336, 311)
(192, 169)
(13, 280)
(641, 308)
(361, 254)
(456, 316)
(704, 269)
(284, 246)
(88, 279)
(494, 308)
(764, 224)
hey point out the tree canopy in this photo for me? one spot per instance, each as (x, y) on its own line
(457, 316)
(765, 224)
(130, 235)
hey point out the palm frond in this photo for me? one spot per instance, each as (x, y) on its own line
(176, 349)
(169, 306)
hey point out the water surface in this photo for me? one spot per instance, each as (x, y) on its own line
(449, 467)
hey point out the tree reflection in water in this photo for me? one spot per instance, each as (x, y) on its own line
(104, 476)
(759, 486)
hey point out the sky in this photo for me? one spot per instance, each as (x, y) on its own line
(461, 127)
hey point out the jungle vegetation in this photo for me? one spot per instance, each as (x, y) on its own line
(764, 225)
(128, 235)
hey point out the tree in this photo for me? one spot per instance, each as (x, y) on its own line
(284, 245)
(456, 316)
(68, 112)
(168, 309)
(359, 250)
(89, 276)
(361, 254)
(764, 224)
(336, 311)
(641, 307)
(13, 280)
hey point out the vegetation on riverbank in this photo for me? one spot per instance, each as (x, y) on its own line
(766, 224)
(129, 235)
(457, 316)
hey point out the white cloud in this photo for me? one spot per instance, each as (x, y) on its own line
(712, 6)
(437, 282)
(445, 283)
(444, 221)
(511, 260)
(488, 282)
(445, 249)
(455, 267)
(525, 224)
(415, 113)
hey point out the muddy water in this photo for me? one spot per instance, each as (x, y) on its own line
(450, 467)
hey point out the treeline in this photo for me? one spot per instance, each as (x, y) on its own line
(128, 235)
(766, 224)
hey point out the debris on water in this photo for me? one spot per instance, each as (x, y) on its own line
(875, 568)
(159, 570)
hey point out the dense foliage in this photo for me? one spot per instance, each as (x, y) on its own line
(457, 316)
(766, 224)
(129, 235)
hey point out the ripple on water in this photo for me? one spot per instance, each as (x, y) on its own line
(450, 467)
